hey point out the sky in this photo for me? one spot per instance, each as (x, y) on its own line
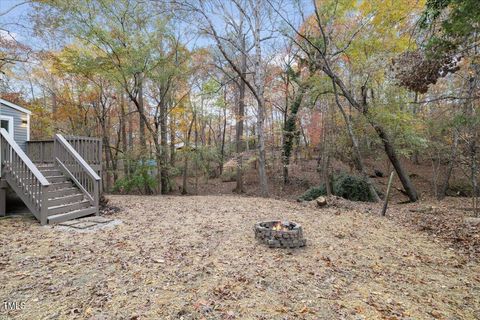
(14, 17)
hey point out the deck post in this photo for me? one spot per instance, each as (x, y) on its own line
(44, 207)
(100, 163)
(3, 199)
(96, 191)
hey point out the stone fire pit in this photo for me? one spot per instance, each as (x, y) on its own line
(280, 234)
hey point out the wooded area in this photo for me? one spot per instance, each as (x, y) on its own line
(259, 159)
(186, 91)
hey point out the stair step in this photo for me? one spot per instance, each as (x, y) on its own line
(62, 192)
(64, 208)
(57, 179)
(53, 179)
(71, 215)
(78, 197)
(45, 166)
(51, 173)
(60, 185)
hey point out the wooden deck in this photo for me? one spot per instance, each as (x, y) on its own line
(57, 179)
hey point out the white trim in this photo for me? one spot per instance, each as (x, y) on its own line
(14, 106)
(28, 127)
(11, 127)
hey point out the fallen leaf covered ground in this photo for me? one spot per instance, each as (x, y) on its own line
(196, 257)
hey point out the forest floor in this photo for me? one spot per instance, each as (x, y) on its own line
(196, 258)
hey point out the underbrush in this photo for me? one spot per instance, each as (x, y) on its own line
(136, 182)
(343, 185)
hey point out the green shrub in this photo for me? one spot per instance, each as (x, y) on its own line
(460, 189)
(229, 176)
(351, 187)
(344, 185)
(313, 193)
(137, 181)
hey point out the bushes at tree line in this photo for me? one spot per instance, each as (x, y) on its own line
(343, 185)
(351, 187)
(313, 193)
(229, 176)
(137, 181)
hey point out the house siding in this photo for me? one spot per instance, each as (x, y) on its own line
(20, 133)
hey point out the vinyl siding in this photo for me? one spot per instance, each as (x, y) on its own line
(19, 133)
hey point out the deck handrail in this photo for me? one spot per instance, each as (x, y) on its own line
(89, 148)
(77, 169)
(31, 182)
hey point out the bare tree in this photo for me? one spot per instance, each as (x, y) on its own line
(255, 15)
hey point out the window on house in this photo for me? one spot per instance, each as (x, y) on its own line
(5, 124)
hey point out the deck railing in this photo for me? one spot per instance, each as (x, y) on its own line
(90, 149)
(24, 177)
(40, 151)
(74, 166)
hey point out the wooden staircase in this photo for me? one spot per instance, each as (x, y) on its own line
(65, 189)
(65, 200)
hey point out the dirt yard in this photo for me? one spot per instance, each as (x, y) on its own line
(196, 258)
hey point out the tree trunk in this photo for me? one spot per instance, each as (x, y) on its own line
(473, 137)
(141, 111)
(123, 129)
(184, 174)
(240, 118)
(259, 80)
(172, 141)
(415, 157)
(222, 148)
(186, 156)
(474, 169)
(289, 131)
(54, 111)
(130, 130)
(164, 178)
(261, 153)
(392, 156)
(142, 137)
(108, 168)
(451, 162)
(325, 152)
(196, 136)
